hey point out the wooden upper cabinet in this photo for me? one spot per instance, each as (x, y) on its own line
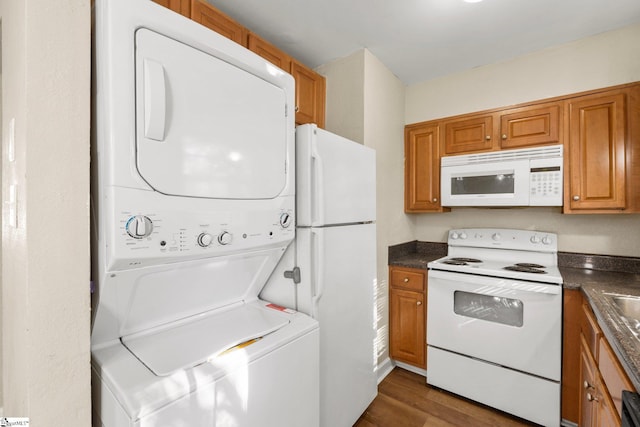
(183, 7)
(269, 52)
(422, 168)
(468, 135)
(529, 126)
(310, 95)
(205, 14)
(596, 150)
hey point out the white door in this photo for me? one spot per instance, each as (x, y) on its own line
(512, 323)
(206, 128)
(335, 179)
(338, 270)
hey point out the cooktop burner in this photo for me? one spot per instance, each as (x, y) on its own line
(461, 261)
(529, 265)
(524, 269)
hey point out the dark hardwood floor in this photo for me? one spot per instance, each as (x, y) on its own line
(405, 400)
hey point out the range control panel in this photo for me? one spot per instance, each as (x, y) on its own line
(525, 240)
(149, 237)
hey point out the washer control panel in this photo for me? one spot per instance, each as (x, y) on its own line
(150, 237)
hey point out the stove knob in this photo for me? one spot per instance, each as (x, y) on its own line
(205, 239)
(535, 239)
(496, 236)
(454, 235)
(463, 235)
(139, 227)
(224, 238)
(546, 240)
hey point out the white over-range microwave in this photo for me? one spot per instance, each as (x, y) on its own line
(525, 177)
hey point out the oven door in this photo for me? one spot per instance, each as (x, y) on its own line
(516, 324)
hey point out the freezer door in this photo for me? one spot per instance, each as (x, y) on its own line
(335, 179)
(338, 271)
(204, 127)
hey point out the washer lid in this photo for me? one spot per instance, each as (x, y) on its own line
(189, 344)
(205, 127)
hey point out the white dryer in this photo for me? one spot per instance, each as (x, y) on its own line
(194, 200)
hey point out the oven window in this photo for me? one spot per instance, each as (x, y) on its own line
(501, 183)
(496, 309)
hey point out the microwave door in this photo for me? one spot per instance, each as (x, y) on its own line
(486, 184)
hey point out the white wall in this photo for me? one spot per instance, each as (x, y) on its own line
(600, 61)
(365, 102)
(45, 255)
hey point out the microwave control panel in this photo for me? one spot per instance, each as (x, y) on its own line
(545, 182)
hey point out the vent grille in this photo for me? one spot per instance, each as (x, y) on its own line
(549, 152)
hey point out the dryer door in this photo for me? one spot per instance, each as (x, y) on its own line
(206, 128)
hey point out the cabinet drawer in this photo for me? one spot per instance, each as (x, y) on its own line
(411, 279)
(590, 330)
(612, 373)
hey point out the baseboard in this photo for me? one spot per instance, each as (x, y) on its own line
(384, 369)
(565, 423)
(411, 368)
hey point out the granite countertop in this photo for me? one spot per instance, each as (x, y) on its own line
(596, 276)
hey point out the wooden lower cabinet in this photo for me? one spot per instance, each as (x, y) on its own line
(593, 378)
(407, 315)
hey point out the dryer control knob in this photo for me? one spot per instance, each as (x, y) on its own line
(285, 220)
(224, 238)
(205, 239)
(139, 226)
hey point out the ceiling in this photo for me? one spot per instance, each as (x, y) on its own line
(420, 40)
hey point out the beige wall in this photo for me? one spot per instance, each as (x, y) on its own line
(45, 255)
(365, 102)
(604, 60)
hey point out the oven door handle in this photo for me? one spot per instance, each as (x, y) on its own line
(496, 282)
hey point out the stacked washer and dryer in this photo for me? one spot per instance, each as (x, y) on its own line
(195, 208)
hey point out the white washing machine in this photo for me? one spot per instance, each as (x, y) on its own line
(194, 205)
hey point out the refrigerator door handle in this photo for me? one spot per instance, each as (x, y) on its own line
(317, 254)
(317, 186)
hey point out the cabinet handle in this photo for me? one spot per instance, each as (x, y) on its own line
(591, 398)
(435, 200)
(419, 303)
(504, 136)
(586, 385)
(576, 198)
(297, 108)
(406, 279)
(488, 137)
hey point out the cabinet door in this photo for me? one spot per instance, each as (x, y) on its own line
(205, 14)
(183, 7)
(588, 391)
(468, 135)
(310, 95)
(597, 125)
(422, 169)
(530, 126)
(407, 337)
(269, 52)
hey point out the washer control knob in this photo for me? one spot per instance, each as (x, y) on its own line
(546, 240)
(496, 236)
(535, 239)
(224, 238)
(463, 235)
(205, 239)
(285, 219)
(139, 226)
(454, 235)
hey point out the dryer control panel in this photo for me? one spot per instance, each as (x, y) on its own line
(153, 236)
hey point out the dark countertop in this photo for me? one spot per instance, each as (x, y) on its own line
(597, 276)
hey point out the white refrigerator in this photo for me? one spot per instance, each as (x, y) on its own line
(333, 259)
